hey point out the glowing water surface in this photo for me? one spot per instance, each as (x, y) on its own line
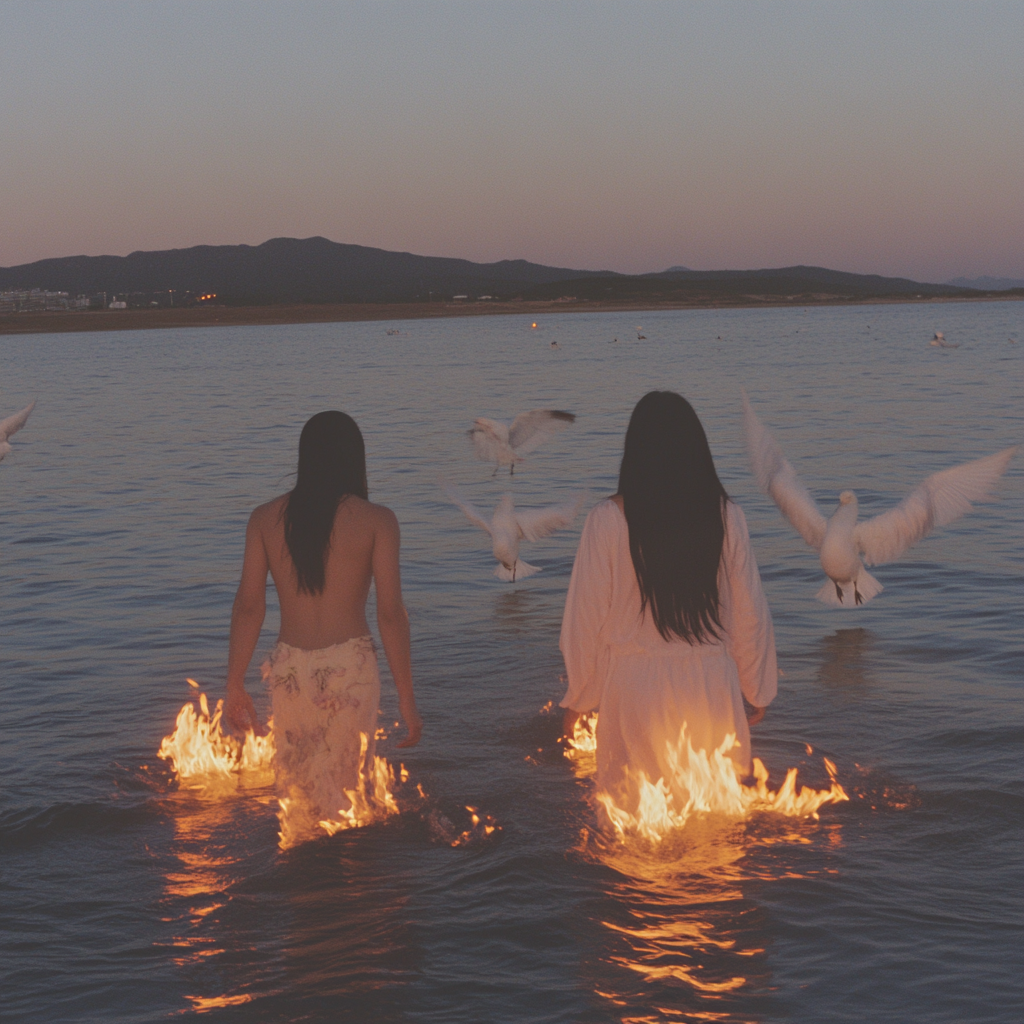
(491, 896)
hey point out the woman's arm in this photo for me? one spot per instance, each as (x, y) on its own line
(246, 622)
(587, 603)
(748, 622)
(393, 621)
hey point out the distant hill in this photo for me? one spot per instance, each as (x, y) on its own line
(284, 270)
(793, 283)
(316, 270)
(989, 284)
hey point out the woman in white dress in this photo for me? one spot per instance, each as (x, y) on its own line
(666, 627)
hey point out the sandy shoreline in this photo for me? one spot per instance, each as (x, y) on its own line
(239, 316)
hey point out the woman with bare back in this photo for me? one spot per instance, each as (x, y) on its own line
(322, 544)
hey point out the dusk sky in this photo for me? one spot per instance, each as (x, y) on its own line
(870, 137)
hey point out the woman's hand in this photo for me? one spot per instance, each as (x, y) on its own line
(240, 712)
(754, 714)
(569, 720)
(413, 725)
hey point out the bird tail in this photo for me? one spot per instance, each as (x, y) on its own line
(866, 586)
(521, 571)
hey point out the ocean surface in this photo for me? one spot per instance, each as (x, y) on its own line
(122, 513)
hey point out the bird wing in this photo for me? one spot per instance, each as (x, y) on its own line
(490, 439)
(777, 478)
(531, 429)
(535, 523)
(936, 501)
(12, 424)
(469, 510)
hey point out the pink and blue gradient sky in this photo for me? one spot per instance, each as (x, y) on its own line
(871, 137)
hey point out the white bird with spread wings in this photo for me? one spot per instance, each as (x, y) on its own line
(11, 425)
(846, 545)
(510, 526)
(505, 444)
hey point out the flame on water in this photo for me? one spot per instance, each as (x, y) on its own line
(371, 800)
(581, 747)
(584, 737)
(711, 784)
(202, 754)
(204, 1004)
(205, 757)
(480, 827)
(681, 924)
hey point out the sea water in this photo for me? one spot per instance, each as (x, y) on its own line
(122, 516)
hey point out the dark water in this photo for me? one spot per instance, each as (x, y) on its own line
(122, 513)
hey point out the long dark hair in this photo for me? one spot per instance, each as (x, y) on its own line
(675, 510)
(332, 465)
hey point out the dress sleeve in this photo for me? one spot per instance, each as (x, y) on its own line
(587, 605)
(747, 620)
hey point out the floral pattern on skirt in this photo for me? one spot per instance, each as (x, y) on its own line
(324, 703)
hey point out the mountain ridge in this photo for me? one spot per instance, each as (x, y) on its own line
(319, 271)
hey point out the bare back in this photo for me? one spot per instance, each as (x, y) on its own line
(364, 547)
(338, 613)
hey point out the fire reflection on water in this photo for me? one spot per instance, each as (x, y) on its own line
(225, 790)
(294, 934)
(683, 939)
(209, 854)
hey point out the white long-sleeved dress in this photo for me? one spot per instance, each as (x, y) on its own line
(646, 688)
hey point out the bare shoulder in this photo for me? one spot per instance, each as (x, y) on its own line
(269, 513)
(378, 518)
(383, 518)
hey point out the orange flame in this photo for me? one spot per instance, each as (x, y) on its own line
(201, 753)
(480, 827)
(581, 746)
(370, 801)
(204, 757)
(710, 782)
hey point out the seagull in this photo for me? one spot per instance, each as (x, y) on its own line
(506, 445)
(844, 544)
(508, 527)
(639, 336)
(939, 341)
(10, 426)
(555, 344)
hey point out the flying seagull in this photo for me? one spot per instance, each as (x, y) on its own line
(846, 545)
(509, 526)
(506, 445)
(10, 426)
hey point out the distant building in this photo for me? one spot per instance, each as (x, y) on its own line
(33, 300)
(459, 298)
(118, 304)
